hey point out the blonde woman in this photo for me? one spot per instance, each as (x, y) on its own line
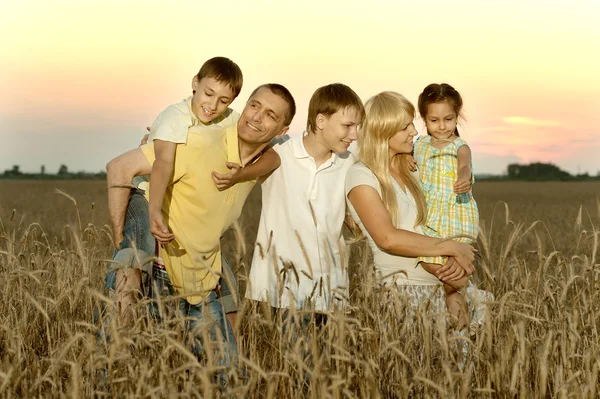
(386, 202)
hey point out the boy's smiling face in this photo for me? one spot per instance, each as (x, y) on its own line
(339, 130)
(211, 98)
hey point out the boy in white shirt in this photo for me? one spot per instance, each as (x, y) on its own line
(299, 259)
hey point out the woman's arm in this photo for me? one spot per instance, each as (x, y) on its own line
(376, 219)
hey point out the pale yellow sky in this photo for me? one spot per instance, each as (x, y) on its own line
(81, 79)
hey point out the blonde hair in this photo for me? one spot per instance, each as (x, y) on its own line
(386, 114)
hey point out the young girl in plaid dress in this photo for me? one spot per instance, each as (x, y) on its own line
(444, 162)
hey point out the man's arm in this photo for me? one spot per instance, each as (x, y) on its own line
(267, 163)
(119, 174)
(162, 173)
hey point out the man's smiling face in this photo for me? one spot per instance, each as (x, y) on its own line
(263, 117)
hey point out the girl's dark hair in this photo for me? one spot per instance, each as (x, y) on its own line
(437, 93)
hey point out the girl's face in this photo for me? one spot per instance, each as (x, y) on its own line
(441, 120)
(402, 141)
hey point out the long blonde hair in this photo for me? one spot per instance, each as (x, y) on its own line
(386, 114)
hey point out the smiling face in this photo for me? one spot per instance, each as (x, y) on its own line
(441, 120)
(339, 130)
(211, 98)
(263, 117)
(402, 141)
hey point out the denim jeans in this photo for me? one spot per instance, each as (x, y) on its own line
(207, 315)
(139, 246)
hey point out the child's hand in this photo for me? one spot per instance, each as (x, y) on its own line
(412, 163)
(451, 271)
(223, 182)
(464, 255)
(144, 140)
(462, 186)
(159, 229)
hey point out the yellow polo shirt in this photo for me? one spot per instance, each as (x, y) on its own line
(196, 212)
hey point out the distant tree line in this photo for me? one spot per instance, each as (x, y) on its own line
(531, 172)
(62, 174)
(539, 172)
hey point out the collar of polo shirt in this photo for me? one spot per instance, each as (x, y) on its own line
(300, 151)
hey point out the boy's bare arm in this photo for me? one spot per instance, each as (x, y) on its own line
(464, 173)
(119, 174)
(267, 163)
(162, 173)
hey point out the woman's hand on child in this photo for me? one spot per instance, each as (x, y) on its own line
(223, 182)
(462, 186)
(451, 271)
(412, 163)
(159, 229)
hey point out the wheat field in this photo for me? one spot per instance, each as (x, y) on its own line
(537, 253)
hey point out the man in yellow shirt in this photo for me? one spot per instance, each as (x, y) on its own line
(197, 212)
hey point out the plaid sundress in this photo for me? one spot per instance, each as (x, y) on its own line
(449, 215)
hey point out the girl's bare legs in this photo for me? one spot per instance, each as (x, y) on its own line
(455, 301)
(457, 305)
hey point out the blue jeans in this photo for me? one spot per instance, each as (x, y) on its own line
(206, 314)
(139, 246)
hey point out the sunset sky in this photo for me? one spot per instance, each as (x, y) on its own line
(80, 80)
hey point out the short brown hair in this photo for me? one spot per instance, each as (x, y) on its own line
(328, 100)
(285, 94)
(223, 70)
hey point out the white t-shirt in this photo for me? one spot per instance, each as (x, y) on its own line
(390, 267)
(303, 210)
(173, 123)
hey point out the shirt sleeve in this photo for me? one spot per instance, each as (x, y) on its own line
(171, 125)
(459, 143)
(360, 175)
(417, 150)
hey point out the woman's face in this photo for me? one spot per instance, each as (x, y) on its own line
(402, 141)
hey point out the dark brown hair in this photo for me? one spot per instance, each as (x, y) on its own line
(223, 70)
(437, 93)
(328, 100)
(285, 94)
